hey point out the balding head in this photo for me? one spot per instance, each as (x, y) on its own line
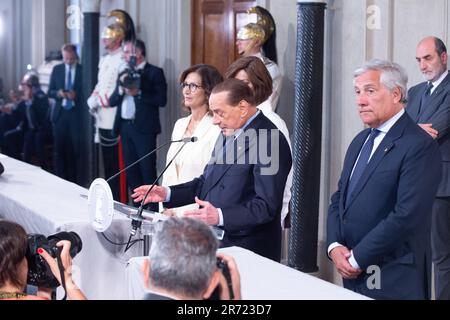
(431, 54)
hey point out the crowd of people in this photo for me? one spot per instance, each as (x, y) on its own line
(390, 210)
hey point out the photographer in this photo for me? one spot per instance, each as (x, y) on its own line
(183, 264)
(141, 90)
(14, 266)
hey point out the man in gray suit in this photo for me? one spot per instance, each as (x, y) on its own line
(429, 107)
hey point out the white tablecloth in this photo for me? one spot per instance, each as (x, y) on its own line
(261, 279)
(43, 203)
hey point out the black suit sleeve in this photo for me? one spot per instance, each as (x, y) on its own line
(266, 203)
(333, 223)
(116, 98)
(154, 89)
(415, 196)
(53, 87)
(185, 193)
(441, 118)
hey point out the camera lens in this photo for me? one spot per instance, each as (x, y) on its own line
(75, 241)
(39, 273)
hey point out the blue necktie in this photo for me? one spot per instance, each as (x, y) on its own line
(425, 97)
(361, 163)
(69, 103)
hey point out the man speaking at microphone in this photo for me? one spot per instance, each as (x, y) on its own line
(241, 188)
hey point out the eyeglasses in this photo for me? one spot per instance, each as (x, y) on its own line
(192, 86)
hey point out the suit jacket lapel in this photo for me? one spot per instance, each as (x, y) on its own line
(348, 165)
(77, 79)
(414, 104)
(433, 101)
(219, 170)
(383, 149)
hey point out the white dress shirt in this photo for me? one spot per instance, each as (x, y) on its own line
(73, 70)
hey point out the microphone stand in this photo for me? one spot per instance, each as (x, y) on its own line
(137, 222)
(143, 157)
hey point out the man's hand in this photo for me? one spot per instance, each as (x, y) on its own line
(158, 194)
(428, 127)
(340, 256)
(235, 278)
(62, 94)
(132, 92)
(207, 213)
(71, 95)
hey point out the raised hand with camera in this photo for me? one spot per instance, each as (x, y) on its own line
(21, 264)
(229, 285)
(64, 277)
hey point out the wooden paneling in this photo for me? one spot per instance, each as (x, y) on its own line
(214, 27)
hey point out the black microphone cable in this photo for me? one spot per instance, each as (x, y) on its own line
(137, 222)
(129, 242)
(145, 156)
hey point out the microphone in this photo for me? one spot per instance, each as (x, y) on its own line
(185, 140)
(137, 222)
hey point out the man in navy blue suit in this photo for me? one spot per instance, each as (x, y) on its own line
(241, 188)
(65, 88)
(378, 227)
(137, 117)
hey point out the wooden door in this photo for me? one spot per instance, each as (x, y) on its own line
(214, 27)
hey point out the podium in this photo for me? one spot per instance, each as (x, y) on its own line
(101, 208)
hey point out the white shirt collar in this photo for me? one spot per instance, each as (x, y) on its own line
(141, 65)
(438, 81)
(385, 127)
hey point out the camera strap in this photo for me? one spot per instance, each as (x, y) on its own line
(61, 272)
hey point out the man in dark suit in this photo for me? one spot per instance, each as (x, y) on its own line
(429, 107)
(183, 263)
(243, 194)
(33, 114)
(137, 116)
(378, 227)
(66, 89)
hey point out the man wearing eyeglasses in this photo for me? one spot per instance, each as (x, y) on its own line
(140, 92)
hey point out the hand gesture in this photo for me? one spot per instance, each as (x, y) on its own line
(158, 194)
(340, 256)
(207, 213)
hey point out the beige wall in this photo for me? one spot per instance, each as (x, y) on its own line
(15, 50)
(165, 27)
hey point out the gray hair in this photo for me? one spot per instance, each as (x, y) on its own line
(392, 75)
(183, 256)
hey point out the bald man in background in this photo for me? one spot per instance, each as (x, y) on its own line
(429, 106)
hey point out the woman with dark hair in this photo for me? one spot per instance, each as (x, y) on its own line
(196, 84)
(252, 71)
(14, 266)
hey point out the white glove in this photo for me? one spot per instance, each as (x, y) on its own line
(93, 104)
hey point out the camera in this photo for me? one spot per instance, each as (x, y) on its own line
(39, 273)
(130, 78)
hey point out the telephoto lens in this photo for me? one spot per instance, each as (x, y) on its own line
(39, 273)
